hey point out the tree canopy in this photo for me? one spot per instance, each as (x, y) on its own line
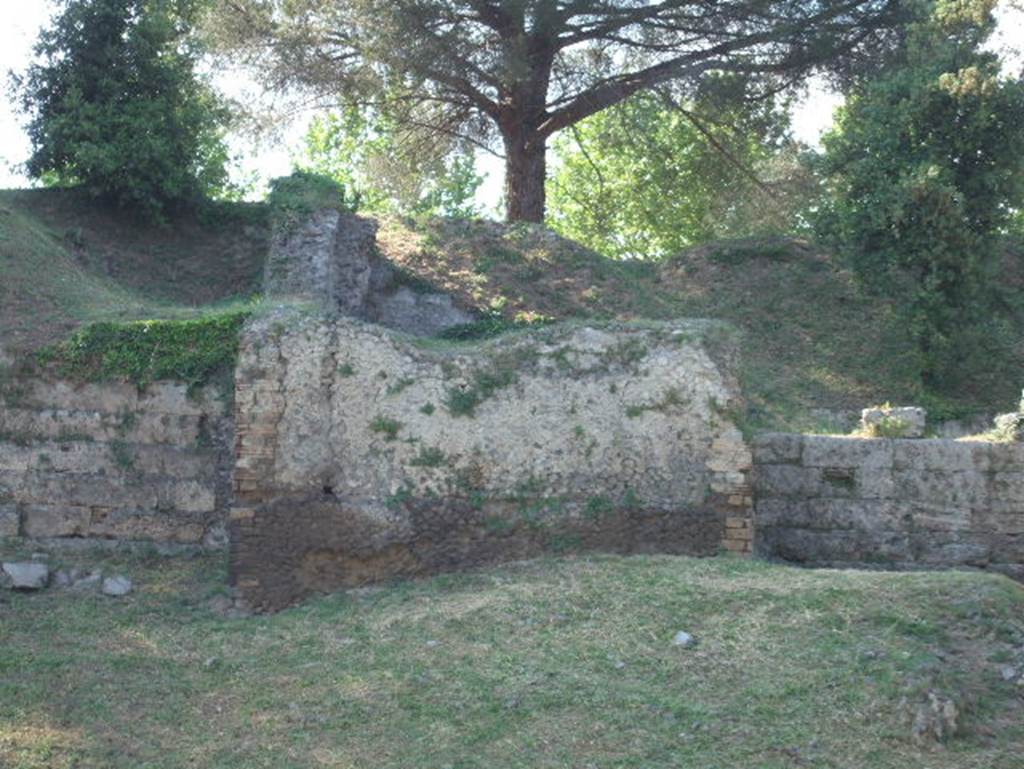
(361, 149)
(522, 70)
(924, 171)
(115, 104)
(649, 177)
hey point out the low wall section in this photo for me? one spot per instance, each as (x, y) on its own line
(363, 455)
(833, 501)
(109, 462)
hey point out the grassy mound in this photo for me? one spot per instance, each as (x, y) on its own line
(66, 261)
(812, 340)
(541, 664)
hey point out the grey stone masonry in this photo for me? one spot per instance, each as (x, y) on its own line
(843, 501)
(364, 455)
(331, 259)
(110, 462)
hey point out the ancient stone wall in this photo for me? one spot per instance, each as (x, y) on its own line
(833, 501)
(108, 462)
(364, 455)
(331, 260)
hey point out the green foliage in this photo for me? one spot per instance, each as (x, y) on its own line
(293, 198)
(393, 169)
(491, 325)
(429, 457)
(923, 170)
(501, 372)
(191, 351)
(646, 179)
(122, 454)
(888, 427)
(400, 385)
(115, 104)
(387, 426)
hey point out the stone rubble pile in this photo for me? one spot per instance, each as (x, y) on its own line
(36, 575)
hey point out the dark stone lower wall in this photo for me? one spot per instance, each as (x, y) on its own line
(908, 504)
(296, 546)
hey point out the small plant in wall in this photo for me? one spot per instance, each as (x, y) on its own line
(386, 426)
(888, 427)
(429, 457)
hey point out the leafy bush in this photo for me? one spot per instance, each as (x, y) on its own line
(116, 105)
(191, 351)
(924, 169)
(293, 198)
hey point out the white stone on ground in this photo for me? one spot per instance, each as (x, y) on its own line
(27, 575)
(117, 586)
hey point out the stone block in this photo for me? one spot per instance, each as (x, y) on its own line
(787, 481)
(836, 452)
(941, 455)
(776, 511)
(878, 547)
(777, 448)
(949, 549)
(108, 397)
(417, 313)
(968, 490)
(173, 398)
(15, 458)
(894, 421)
(1007, 487)
(875, 483)
(57, 520)
(146, 525)
(937, 517)
(27, 575)
(1006, 457)
(10, 520)
(1000, 518)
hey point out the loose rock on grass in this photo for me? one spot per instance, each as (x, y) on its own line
(26, 575)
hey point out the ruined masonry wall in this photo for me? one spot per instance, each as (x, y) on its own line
(832, 501)
(363, 455)
(107, 462)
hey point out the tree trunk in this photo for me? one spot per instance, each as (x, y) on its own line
(525, 172)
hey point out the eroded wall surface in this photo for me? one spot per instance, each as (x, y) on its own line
(108, 462)
(364, 455)
(331, 259)
(834, 501)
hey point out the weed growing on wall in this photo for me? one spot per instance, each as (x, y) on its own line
(494, 324)
(501, 372)
(293, 198)
(429, 457)
(195, 352)
(386, 426)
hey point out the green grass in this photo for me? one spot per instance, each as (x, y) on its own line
(552, 663)
(811, 339)
(193, 351)
(66, 261)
